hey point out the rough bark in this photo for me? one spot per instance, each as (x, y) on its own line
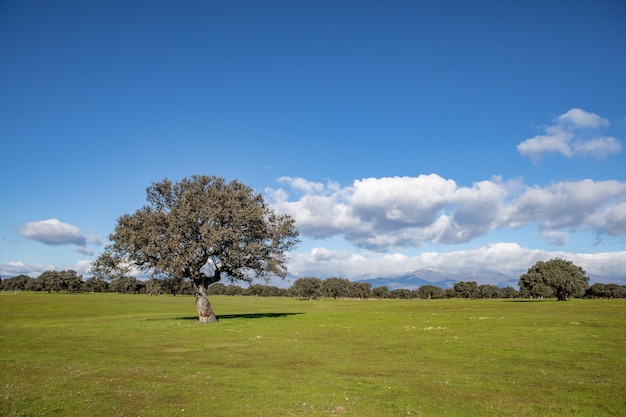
(206, 314)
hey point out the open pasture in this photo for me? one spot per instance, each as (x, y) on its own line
(136, 355)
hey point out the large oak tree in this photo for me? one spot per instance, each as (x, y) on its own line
(555, 278)
(202, 229)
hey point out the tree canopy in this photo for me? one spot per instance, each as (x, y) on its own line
(201, 228)
(555, 278)
(309, 287)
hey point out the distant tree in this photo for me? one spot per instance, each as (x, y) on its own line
(16, 283)
(509, 292)
(401, 293)
(335, 287)
(176, 285)
(232, 289)
(153, 286)
(127, 285)
(361, 290)
(430, 291)
(255, 290)
(597, 290)
(95, 284)
(72, 282)
(273, 291)
(217, 289)
(202, 229)
(380, 292)
(616, 291)
(51, 281)
(279, 292)
(307, 288)
(466, 289)
(489, 291)
(555, 278)
(260, 290)
(33, 284)
(609, 291)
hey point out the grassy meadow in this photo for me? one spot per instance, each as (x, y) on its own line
(137, 355)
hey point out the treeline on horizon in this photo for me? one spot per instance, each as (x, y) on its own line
(310, 288)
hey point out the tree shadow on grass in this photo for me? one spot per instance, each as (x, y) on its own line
(254, 315)
(235, 316)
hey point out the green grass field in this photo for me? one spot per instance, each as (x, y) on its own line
(136, 355)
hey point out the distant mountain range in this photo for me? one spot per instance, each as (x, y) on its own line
(416, 279)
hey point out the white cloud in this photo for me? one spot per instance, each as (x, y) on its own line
(568, 205)
(611, 219)
(476, 210)
(82, 267)
(303, 184)
(579, 118)
(508, 258)
(574, 133)
(556, 140)
(599, 147)
(84, 250)
(556, 237)
(18, 268)
(53, 232)
(14, 268)
(397, 211)
(383, 213)
(320, 213)
(401, 201)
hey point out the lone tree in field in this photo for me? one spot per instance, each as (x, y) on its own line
(202, 229)
(554, 278)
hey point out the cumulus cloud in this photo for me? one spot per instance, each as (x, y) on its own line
(14, 268)
(396, 211)
(54, 233)
(611, 219)
(579, 118)
(556, 237)
(82, 267)
(18, 268)
(84, 250)
(569, 204)
(599, 147)
(516, 259)
(383, 213)
(573, 133)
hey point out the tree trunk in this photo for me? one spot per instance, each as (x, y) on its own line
(205, 311)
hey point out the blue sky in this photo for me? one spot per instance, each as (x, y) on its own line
(445, 135)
